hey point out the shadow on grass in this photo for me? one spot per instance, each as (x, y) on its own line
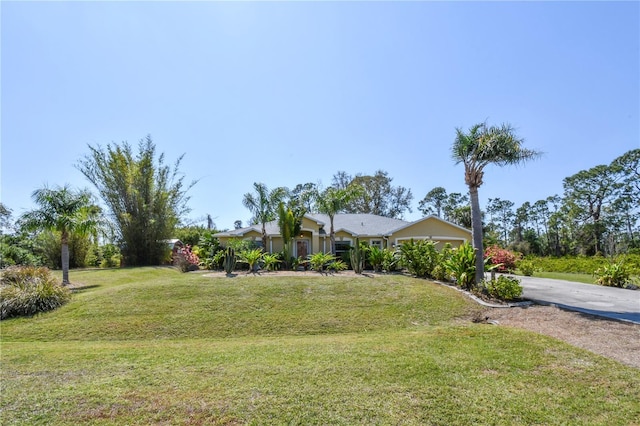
(84, 287)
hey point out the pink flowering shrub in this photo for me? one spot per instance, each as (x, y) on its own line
(185, 259)
(504, 258)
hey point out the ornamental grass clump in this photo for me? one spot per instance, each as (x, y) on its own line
(28, 290)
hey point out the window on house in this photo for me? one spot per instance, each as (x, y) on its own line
(342, 247)
(376, 243)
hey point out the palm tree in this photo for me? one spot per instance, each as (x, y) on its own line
(481, 146)
(290, 225)
(262, 204)
(332, 201)
(65, 211)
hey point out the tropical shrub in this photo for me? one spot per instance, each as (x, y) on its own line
(240, 245)
(318, 261)
(504, 288)
(613, 275)
(210, 251)
(504, 260)
(106, 256)
(526, 267)
(337, 266)
(390, 259)
(271, 261)
(185, 259)
(214, 261)
(27, 290)
(419, 257)
(376, 258)
(18, 250)
(251, 257)
(440, 272)
(461, 265)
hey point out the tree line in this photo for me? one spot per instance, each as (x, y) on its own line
(598, 212)
(143, 202)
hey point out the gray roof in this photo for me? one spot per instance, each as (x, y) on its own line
(361, 224)
(356, 224)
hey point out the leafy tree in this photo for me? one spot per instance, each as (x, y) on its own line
(502, 209)
(145, 197)
(627, 204)
(433, 202)
(480, 146)
(332, 201)
(190, 235)
(520, 221)
(5, 218)
(302, 197)
(553, 234)
(237, 224)
(456, 209)
(587, 192)
(63, 210)
(262, 203)
(375, 194)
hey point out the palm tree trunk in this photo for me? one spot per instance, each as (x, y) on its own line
(332, 236)
(65, 257)
(264, 237)
(476, 233)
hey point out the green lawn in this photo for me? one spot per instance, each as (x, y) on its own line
(154, 346)
(567, 276)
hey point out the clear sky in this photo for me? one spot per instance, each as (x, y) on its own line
(288, 92)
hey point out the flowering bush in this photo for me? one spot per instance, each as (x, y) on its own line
(505, 259)
(185, 259)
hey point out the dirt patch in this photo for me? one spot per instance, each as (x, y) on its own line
(610, 338)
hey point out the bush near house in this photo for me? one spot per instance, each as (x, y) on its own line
(419, 257)
(461, 265)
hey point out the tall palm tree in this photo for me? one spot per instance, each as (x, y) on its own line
(480, 146)
(332, 201)
(65, 211)
(263, 203)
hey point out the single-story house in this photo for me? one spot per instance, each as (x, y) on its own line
(380, 231)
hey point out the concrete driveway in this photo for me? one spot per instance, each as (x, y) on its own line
(610, 302)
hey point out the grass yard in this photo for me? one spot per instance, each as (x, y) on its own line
(567, 276)
(154, 346)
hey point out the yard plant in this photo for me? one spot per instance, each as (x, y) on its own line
(154, 346)
(28, 290)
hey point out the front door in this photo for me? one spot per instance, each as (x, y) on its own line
(302, 248)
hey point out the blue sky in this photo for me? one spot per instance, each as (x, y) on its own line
(287, 92)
